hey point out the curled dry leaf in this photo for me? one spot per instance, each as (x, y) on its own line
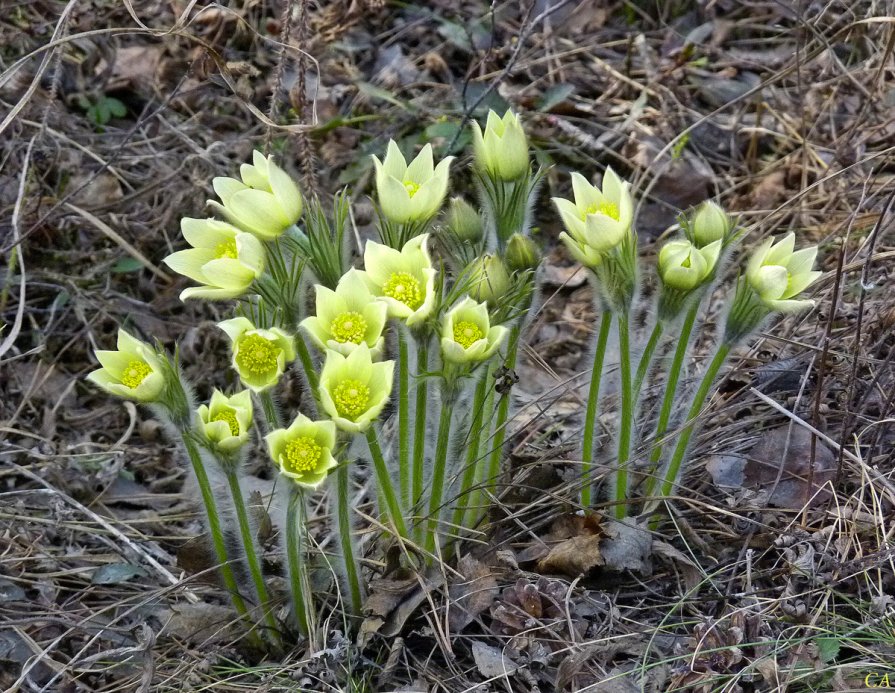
(472, 594)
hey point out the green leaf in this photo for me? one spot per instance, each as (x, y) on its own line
(554, 96)
(115, 107)
(827, 648)
(126, 265)
(116, 573)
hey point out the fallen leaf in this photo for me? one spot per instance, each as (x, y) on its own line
(471, 595)
(627, 547)
(116, 573)
(573, 557)
(491, 662)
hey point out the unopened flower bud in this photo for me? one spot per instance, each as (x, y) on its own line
(522, 253)
(710, 223)
(502, 150)
(488, 279)
(463, 219)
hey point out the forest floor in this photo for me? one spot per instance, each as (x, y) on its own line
(114, 117)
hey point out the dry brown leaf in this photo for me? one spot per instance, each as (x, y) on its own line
(491, 662)
(471, 595)
(573, 557)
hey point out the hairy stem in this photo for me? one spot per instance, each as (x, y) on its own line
(384, 484)
(248, 543)
(296, 526)
(627, 418)
(404, 469)
(214, 524)
(590, 416)
(466, 493)
(419, 431)
(343, 510)
(646, 357)
(307, 364)
(503, 410)
(683, 441)
(439, 468)
(271, 410)
(674, 374)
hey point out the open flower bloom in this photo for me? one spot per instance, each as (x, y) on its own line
(266, 202)
(467, 335)
(403, 279)
(304, 451)
(259, 356)
(598, 220)
(134, 371)
(777, 274)
(226, 421)
(710, 224)
(411, 192)
(502, 150)
(348, 316)
(353, 389)
(223, 258)
(683, 266)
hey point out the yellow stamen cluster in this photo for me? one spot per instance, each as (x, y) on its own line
(226, 249)
(467, 333)
(411, 187)
(257, 355)
(351, 398)
(135, 373)
(348, 327)
(404, 287)
(607, 208)
(228, 416)
(301, 454)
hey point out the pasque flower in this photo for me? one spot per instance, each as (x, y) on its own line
(259, 356)
(778, 273)
(598, 220)
(467, 335)
(135, 371)
(266, 202)
(304, 450)
(226, 421)
(403, 279)
(348, 316)
(353, 389)
(487, 279)
(502, 150)
(683, 266)
(223, 259)
(411, 192)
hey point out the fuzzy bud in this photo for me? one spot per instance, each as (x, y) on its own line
(488, 279)
(710, 224)
(522, 253)
(463, 219)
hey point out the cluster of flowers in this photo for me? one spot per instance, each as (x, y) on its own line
(472, 302)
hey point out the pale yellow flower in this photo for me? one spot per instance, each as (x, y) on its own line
(135, 371)
(502, 150)
(259, 356)
(303, 451)
(403, 279)
(411, 192)
(777, 273)
(226, 421)
(467, 335)
(353, 389)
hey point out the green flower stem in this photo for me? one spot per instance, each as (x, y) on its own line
(214, 524)
(248, 543)
(503, 410)
(404, 469)
(296, 526)
(383, 482)
(419, 431)
(590, 417)
(476, 509)
(439, 468)
(680, 449)
(464, 498)
(301, 347)
(647, 357)
(627, 418)
(271, 411)
(674, 374)
(344, 521)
